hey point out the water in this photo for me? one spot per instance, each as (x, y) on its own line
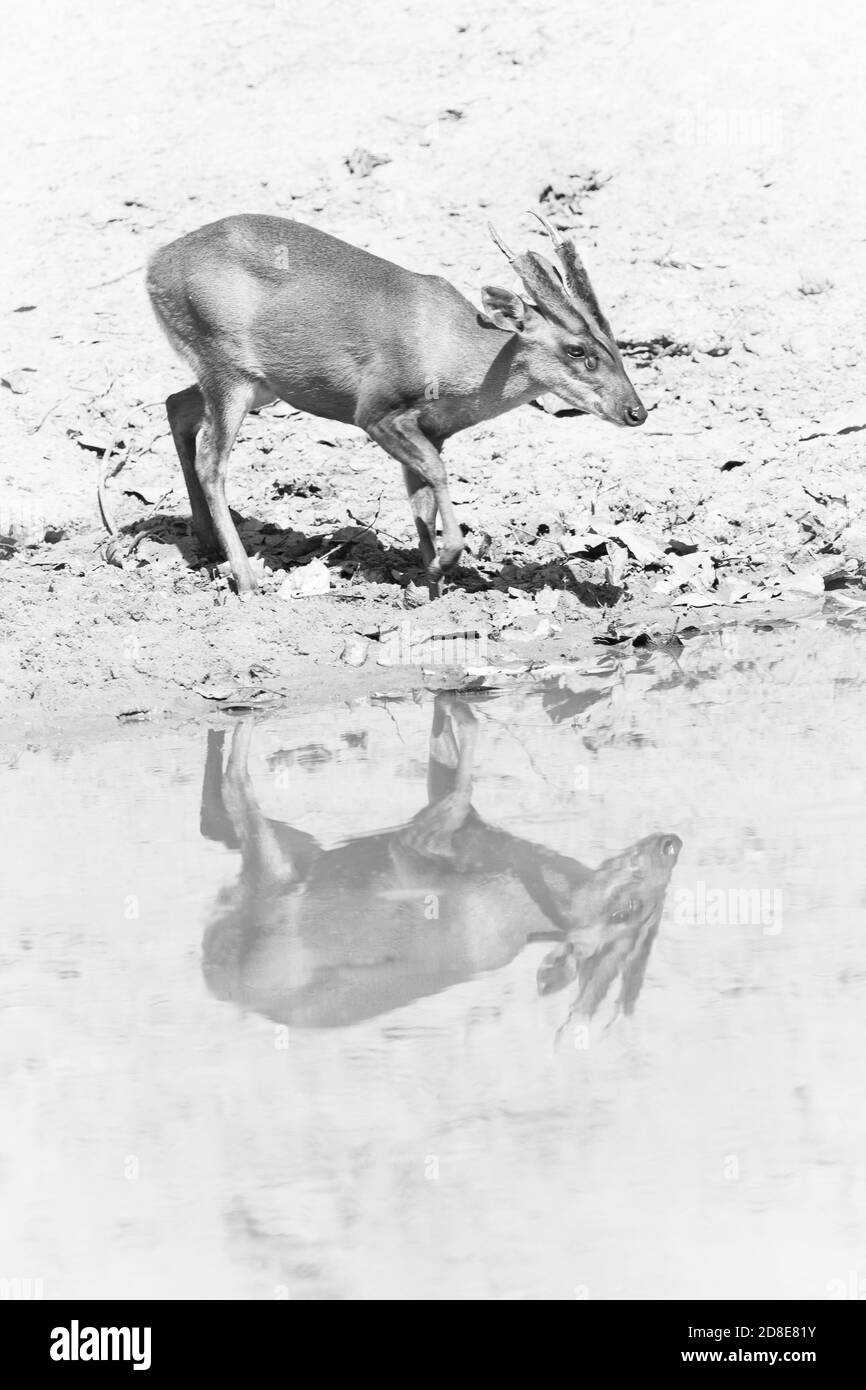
(288, 1011)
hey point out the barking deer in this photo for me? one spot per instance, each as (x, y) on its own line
(262, 308)
(323, 938)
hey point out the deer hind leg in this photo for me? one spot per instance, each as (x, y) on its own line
(214, 821)
(273, 856)
(225, 405)
(185, 412)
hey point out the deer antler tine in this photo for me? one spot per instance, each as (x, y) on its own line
(509, 255)
(551, 232)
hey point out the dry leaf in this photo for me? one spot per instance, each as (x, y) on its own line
(547, 600)
(644, 549)
(805, 582)
(695, 601)
(313, 578)
(355, 653)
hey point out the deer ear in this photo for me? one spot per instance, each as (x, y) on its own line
(557, 970)
(503, 309)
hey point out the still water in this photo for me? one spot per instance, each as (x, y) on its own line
(558, 992)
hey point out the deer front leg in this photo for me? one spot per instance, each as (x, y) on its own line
(455, 735)
(423, 504)
(224, 410)
(400, 435)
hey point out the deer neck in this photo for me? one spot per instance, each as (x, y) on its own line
(486, 376)
(507, 382)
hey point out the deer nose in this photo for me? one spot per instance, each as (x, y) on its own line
(635, 414)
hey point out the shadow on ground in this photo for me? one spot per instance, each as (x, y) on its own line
(354, 553)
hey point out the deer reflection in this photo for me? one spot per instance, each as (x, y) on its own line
(324, 938)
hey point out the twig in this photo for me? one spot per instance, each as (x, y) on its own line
(143, 533)
(113, 281)
(101, 486)
(352, 539)
(390, 535)
(50, 411)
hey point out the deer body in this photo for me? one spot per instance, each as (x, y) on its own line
(350, 940)
(371, 338)
(319, 938)
(263, 308)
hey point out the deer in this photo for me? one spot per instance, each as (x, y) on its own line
(264, 308)
(317, 938)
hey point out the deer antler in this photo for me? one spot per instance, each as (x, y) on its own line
(540, 278)
(551, 231)
(576, 279)
(509, 255)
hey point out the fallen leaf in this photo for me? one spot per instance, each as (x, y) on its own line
(261, 699)
(847, 601)
(14, 382)
(695, 601)
(805, 582)
(814, 284)
(214, 692)
(415, 596)
(618, 557)
(521, 602)
(842, 422)
(610, 636)
(733, 591)
(545, 628)
(680, 546)
(362, 162)
(644, 548)
(453, 678)
(696, 568)
(313, 578)
(589, 544)
(355, 653)
(547, 600)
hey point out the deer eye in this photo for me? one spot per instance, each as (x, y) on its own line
(577, 352)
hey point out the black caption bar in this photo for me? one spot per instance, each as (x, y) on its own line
(156, 1340)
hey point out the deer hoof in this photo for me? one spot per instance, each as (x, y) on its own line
(244, 580)
(434, 580)
(446, 560)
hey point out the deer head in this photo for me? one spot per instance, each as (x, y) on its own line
(568, 344)
(613, 919)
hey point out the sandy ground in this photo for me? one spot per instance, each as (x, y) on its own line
(708, 160)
